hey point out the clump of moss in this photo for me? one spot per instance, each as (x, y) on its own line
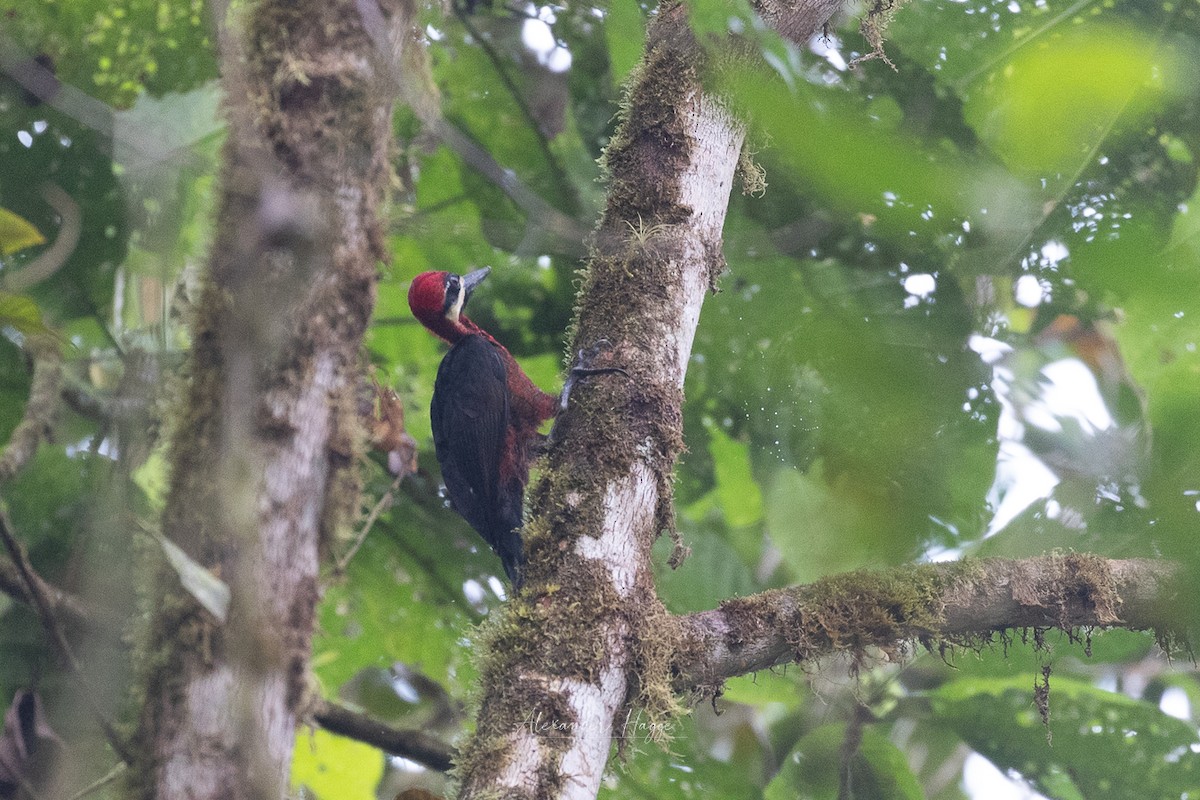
(873, 27)
(656, 643)
(754, 177)
(857, 610)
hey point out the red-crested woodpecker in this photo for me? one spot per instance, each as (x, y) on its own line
(485, 415)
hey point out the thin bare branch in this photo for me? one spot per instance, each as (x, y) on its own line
(383, 504)
(411, 76)
(411, 744)
(518, 97)
(100, 783)
(54, 257)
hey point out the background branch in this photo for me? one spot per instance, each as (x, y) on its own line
(518, 97)
(411, 75)
(411, 744)
(53, 628)
(63, 604)
(40, 408)
(55, 256)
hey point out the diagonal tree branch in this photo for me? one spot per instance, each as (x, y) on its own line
(411, 744)
(518, 97)
(411, 75)
(62, 604)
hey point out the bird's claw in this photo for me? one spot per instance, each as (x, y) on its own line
(581, 370)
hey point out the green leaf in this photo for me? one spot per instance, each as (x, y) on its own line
(848, 159)
(209, 590)
(115, 51)
(822, 527)
(777, 687)
(369, 620)
(22, 313)
(153, 478)
(712, 20)
(737, 491)
(1049, 107)
(336, 768)
(713, 572)
(1184, 243)
(1112, 746)
(16, 233)
(689, 770)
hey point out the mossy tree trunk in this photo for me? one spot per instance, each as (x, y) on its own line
(266, 436)
(588, 637)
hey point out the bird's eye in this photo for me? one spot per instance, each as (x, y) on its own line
(453, 288)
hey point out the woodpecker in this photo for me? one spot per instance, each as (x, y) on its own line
(485, 416)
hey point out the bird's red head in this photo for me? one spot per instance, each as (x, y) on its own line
(437, 299)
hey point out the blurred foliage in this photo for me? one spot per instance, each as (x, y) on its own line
(117, 51)
(331, 766)
(1104, 744)
(1027, 163)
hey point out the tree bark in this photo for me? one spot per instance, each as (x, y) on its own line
(265, 444)
(956, 604)
(588, 636)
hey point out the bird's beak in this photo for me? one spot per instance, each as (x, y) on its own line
(473, 279)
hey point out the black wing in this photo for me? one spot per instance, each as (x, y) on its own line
(470, 417)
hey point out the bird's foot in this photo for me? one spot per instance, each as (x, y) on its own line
(582, 368)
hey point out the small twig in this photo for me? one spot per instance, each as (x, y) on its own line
(411, 744)
(384, 503)
(101, 783)
(45, 610)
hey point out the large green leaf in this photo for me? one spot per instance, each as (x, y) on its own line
(625, 32)
(690, 769)
(713, 571)
(1109, 745)
(737, 492)
(1048, 106)
(21, 313)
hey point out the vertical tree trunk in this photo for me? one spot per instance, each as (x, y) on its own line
(588, 638)
(265, 443)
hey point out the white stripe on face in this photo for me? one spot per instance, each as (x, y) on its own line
(456, 307)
